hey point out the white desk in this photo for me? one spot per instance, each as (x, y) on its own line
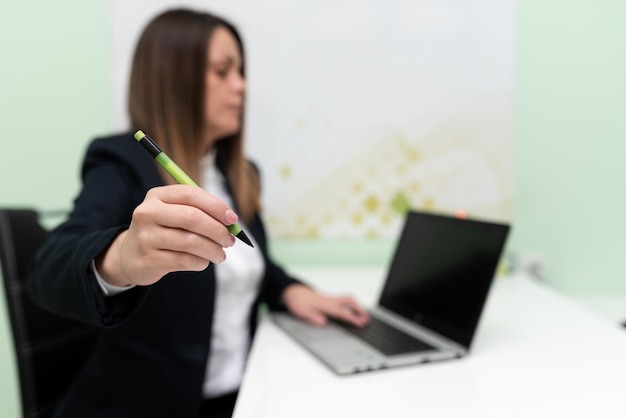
(536, 354)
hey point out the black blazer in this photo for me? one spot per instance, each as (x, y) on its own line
(151, 358)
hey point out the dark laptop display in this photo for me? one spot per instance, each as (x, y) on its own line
(441, 273)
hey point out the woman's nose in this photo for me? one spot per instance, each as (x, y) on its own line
(239, 83)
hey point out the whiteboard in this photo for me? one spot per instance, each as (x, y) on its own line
(360, 109)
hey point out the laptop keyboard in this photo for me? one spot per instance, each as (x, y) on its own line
(385, 337)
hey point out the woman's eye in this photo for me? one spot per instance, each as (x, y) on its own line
(222, 73)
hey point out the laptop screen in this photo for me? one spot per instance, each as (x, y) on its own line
(442, 272)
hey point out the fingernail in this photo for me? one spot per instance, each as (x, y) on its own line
(230, 217)
(231, 241)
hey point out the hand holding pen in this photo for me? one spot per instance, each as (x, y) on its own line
(176, 228)
(180, 176)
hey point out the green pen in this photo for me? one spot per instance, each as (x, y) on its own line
(180, 176)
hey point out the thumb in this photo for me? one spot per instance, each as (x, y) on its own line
(315, 318)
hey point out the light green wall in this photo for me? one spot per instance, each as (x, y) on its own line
(571, 97)
(53, 98)
(569, 152)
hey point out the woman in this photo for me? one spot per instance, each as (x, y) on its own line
(152, 262)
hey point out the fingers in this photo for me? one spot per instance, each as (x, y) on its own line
(315, 308)
(349, 310)
(187, 218)
(186, 242)
(197, 198)
(351, 306)
(186, 207)
(315, 317)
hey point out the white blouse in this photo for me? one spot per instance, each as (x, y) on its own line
(237, 285)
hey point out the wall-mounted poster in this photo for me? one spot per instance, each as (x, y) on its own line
(360, 109)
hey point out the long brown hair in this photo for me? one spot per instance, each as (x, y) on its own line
(166, 99)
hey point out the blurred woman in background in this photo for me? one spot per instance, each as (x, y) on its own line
(152, 262)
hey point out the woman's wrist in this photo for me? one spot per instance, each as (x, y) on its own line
(108, 264)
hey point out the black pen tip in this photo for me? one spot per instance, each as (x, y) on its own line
(242, 236)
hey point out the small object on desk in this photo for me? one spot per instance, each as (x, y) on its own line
(180, 176)
(461, 213)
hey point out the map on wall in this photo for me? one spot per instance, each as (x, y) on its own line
(359, 110)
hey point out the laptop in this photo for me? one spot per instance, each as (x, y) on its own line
(430, 304)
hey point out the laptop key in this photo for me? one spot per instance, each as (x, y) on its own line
(385, 337)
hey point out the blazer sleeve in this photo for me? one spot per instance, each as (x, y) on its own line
(60, 276)
(276, 285)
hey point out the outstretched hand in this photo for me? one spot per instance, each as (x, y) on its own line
(315, 308)
(175, 228)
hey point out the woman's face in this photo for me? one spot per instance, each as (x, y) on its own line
(225, 86)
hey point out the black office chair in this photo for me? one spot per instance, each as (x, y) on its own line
(49, 349)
